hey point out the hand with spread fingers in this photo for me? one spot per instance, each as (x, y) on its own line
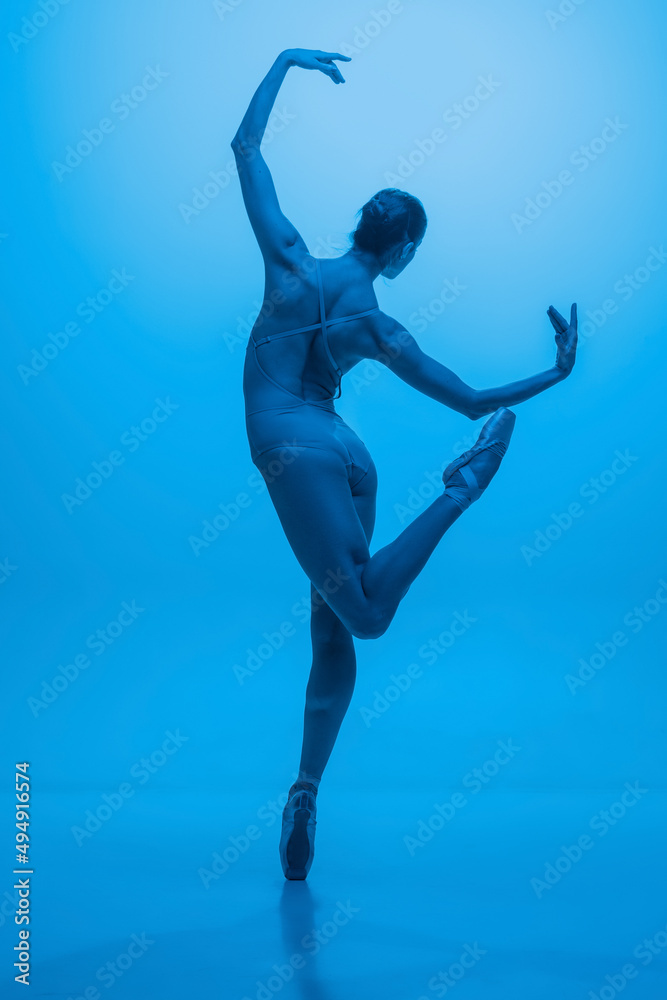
(566, 338)
(316, 59)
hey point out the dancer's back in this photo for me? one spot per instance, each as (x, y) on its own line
(316, 324)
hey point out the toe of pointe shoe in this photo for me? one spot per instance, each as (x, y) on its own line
(500, 424)
(297, 841)
(503, 415)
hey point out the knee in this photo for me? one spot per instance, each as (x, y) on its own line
(370, 632)
(322, 706)
(371, 625)
(329, 634)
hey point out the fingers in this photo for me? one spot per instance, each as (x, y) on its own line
(559, 322)
(333, 74)
(334, 55)
(557, 319)
(559, 332)
(330, 69)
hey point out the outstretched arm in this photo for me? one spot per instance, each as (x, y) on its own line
(399, 351)
(275, 233)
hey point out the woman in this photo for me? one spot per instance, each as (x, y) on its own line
(319, 319)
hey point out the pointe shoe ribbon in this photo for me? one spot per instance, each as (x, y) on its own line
(494, 437)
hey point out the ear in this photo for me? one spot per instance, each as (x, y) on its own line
(406, 250)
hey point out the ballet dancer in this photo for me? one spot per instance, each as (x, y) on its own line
(318, 320)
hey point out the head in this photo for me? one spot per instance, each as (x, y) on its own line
(391, 227)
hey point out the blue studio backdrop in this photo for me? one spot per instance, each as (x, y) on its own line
(497, 790)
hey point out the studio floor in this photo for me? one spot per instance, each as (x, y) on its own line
(181, 894)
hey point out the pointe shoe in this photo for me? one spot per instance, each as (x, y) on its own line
(494, 438)
(297, 840)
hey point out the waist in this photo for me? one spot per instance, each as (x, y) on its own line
(262, 392)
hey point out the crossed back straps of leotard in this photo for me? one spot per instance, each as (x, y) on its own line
(322, 324)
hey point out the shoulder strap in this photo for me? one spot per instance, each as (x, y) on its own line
(320, 289)
(346, 319)
(322, 324)
(285, 333)
(323, 321)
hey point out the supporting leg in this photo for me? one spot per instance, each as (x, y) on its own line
(334, 667)
(330, 687)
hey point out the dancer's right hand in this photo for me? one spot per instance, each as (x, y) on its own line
(316, 59)
(566, 338)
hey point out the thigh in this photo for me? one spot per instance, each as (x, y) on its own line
(357, 457)
(325, 625)
(364, 496)
(327, 526)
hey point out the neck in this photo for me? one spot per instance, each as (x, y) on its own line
(364, 262)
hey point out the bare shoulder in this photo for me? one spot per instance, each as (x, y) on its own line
(291, 277)
(389, 337)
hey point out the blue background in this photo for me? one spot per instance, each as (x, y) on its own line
(175, 333)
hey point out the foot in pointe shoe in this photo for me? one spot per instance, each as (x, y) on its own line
(297, 841)
(467, 476)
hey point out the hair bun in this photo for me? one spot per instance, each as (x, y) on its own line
(389, 217)
(377, 211)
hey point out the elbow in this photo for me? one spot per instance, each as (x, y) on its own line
(240, 143)
(244, 145)
(474, 408)
(479, 405)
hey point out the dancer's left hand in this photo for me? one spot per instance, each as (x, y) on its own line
(566, 338)
(319, 60)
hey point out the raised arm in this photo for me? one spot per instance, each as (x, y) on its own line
(399, 351)
(275, 233)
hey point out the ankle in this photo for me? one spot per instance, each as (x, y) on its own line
(306, 780)
(458, 490)
(312, 779)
